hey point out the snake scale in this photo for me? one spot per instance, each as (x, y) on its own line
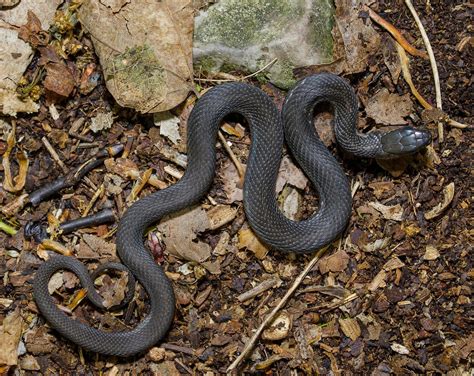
(268, 129)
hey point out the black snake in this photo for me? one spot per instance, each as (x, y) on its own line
(268, 129)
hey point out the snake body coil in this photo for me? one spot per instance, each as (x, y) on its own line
(267, 133)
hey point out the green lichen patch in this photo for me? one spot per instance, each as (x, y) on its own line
(137, 70)
(241, 23)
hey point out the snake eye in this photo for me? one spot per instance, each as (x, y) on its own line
(406, 140)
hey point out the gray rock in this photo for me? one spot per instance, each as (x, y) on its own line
(248, 34)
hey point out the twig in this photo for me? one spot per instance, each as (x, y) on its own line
(99, 192)
(434, 67)
(54, 155)
(251, 343)
(232, 156)
(397, 35)
(261, 287)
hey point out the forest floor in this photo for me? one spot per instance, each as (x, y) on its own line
(409, 277)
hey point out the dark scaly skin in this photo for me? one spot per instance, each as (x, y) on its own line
(261, 208)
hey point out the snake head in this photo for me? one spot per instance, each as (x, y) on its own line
(406, 140)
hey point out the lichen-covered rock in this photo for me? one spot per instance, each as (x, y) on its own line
(248, 34)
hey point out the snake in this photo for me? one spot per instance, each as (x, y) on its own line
(269, 128)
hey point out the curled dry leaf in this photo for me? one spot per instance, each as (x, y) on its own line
(448, 195)
(350, 327)
(23, 163)
(247, 239)
(10, 334)
(394, 213)
(220, 215)
(400, 349)
(279, 329)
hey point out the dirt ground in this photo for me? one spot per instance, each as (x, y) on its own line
(409, 277)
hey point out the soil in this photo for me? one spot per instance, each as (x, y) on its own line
(412, 277)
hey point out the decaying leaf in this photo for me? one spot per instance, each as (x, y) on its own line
(180, 231)
(147, 64)
(431, 253)
(17, 184)
(448, 193)
(394, 213)
(399, 348)
(169, 125)
(279, 329)
(15, 54)
(103, 120)
(289, 173)
(350, 327)
(220, 215)
(10, 334)
(389, 109)
(247, 239)
(336, 262)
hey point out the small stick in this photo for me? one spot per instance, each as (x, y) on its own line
(397, 35)
(99, 192)
(54, 155)
(261, 287)
(434, 67)
(232, 156)
(249, 346)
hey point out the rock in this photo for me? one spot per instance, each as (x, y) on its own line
(249, 34)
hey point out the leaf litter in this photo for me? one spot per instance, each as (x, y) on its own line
(393, 261)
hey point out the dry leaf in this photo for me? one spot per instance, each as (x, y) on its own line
(279, 329)
(337, 262)
(14, 184)
(394, 213)
(380, 187)
(180, 231)
(431, 253)
(350, 327)
(101, 247)
(448, 192)
(290, 174)
(231, 182)
(147, 64)
(378, 281)
(15, 54)
(247, 239)
(10, 334)
(169, 126)
(59, 80)
(400, 349)
(103, 120)
(220, 215)
(389, 109)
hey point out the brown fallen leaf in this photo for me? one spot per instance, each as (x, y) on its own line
(247, 239)
(290, 174)
(350, 327)
(337, 262)
(180, 231)
(389, 109)
(14, 184)
(59, 80)
(381, 187)
(147, 64)
(394, 213)
(32, 32)
(279, 328)
(10, 334)
(448, 195)
(220, 215)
